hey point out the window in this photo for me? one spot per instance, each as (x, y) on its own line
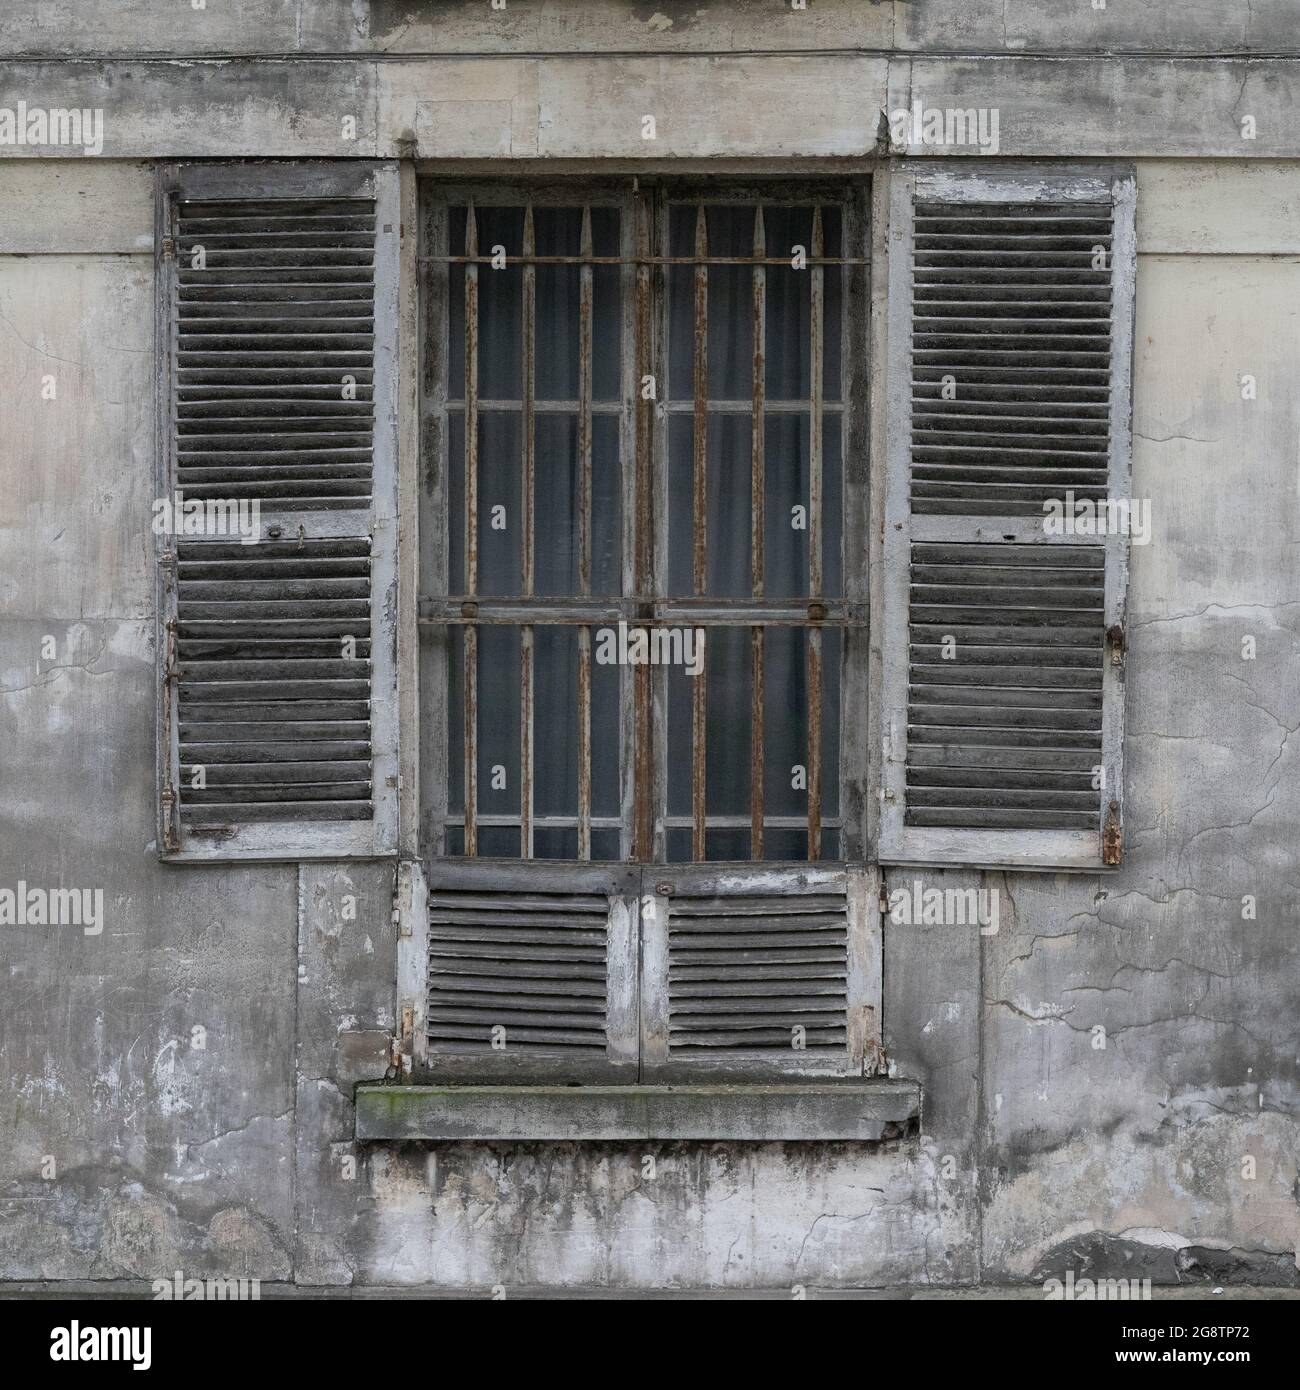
(641, 610)
(637, 417)
(648, 428)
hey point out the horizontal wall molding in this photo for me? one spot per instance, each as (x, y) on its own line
(399, 28)
(551, 107)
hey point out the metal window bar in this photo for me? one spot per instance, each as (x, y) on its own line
(643, 783)
(699, 525)
(757, 496)
(816, 333)
(526, 683)
(471, 534)
(585, 291)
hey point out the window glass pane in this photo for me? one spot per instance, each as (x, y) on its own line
(498, 722)
(789, 303)
(727, 725)
(607, 312)
(727, 509)
(786, 516)
(557, 232)
(556, 506)
(500, 305)
(500, 503)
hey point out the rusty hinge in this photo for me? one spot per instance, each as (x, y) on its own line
(1112, 845)
(401, 1046)
(167, 248)
(1115, 637)
(882, 899)
(168, 796)
(170, 839)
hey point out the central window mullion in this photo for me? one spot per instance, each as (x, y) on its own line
(757, 501)
(699, 524)
(527, 540)
(584, 533)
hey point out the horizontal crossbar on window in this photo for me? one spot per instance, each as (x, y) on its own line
(737, 406)
(512, 611)
(712, 822)
(507, 260)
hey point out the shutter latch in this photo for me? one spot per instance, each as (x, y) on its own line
(1115, 636)
(1112, 845)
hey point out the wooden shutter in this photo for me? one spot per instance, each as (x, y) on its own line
(1009, 346)
(278, 327)
(758, 974)
(520, 973)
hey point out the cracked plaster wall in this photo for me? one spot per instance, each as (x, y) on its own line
(1038, 1150)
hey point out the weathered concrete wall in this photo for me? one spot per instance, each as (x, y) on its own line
(554, 79)
(1039, 1149)
(1148, 1140)
(301, 27)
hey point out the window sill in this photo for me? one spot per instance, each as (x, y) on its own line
(867, 1109)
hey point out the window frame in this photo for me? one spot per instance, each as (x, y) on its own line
(643, 205)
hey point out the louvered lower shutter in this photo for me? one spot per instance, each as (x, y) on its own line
(1010, 346)
(530, 977)
(278, 321)
(754, 975)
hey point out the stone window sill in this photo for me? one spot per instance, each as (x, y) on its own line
(868, 1109)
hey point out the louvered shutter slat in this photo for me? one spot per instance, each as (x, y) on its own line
(279, 737)
(522, 981)
(1010, 347)
(777, 976)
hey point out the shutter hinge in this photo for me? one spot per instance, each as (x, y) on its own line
(170, 839)
(1115, 637)
(167, 248)
(1112, 844)
(401, 1046)
(882, 899)
(168, 797)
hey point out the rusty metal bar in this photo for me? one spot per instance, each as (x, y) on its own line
(584, 534)
(563, 822)
(171, 779)
(584, 410)
(757, 495)
(526, 541)
(584, 742)
(699, 528)
(740, 822)
(612, 408)
(816, 356)
(700, 360)
(643, 548)
(640, 260)
(529, 375)
(816, 335)
(513, 613)
(471, 533)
